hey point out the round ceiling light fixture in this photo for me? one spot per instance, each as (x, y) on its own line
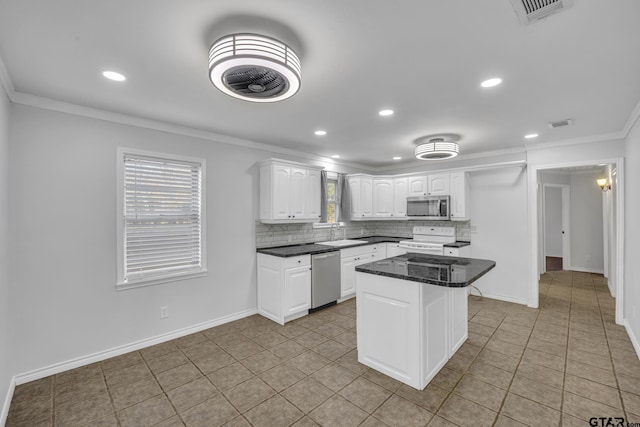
(254, 68)
(437, 149)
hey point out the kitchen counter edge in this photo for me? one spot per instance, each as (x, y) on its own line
(314, 248)
(483, 266)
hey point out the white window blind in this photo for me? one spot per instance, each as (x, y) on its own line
(162, 217)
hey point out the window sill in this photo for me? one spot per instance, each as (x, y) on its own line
(326, 224)
(150, 281)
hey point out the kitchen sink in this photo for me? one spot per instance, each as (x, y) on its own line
(345, 242)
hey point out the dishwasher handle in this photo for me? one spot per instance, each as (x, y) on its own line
(323, 256)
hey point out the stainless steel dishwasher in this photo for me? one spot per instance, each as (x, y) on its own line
(325, 278)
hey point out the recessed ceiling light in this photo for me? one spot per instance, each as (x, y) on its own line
(531, 136)
(491, 82)
(335, 156)
(385, 113)
(112, 75)
(397, 158)
(321, 132)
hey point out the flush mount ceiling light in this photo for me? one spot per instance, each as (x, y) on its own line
(531, 136)
(397, 158)
(491, 82)
(254, 68)
(437, 149)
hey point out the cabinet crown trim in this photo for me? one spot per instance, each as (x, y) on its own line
(274, 161)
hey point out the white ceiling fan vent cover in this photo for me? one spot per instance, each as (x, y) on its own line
(529, 11)
(254, 68)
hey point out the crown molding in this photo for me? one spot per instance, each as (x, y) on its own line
(633, 118)
(612, 136)
(141, 122)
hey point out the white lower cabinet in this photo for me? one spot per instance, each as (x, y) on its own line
(349, 259)
(284, 287)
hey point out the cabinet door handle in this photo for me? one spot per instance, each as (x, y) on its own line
(299, 261)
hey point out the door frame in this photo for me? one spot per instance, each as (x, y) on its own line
(533, 183)
(566, 226)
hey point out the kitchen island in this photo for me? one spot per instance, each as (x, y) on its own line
(412, 313)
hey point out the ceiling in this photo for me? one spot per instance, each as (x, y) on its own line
(423, 59)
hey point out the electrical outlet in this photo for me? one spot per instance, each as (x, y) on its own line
(164, 312)
(289, 238)
(362, 231)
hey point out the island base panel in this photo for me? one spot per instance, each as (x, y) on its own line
(408, 330)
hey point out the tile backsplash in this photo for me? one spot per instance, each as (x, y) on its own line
(268, 235)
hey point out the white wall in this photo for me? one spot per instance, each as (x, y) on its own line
(553, 221)
(587, 241)
(499, 217)
(6, 366)
(63, 235)
(632, 235)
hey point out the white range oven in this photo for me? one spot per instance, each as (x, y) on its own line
(429, 240)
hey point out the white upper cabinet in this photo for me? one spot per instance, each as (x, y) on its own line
(429, 185)
(354, 190)
(418, 185)
(297, 193)
(385, 197)
(400, 193)
(438, 184)
(361, 189)
(389, 197)
(289, 192)
(280, 176)
(382, 197)
(367, 197)
(312, 201)
(459, 189)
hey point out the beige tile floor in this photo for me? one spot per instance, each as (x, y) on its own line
(557, 365)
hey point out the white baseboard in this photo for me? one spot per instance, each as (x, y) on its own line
(56, 368)
(633, 338)
(7, 402)
(587, 270)
(501, 297)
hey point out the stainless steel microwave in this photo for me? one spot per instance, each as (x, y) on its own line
(428, 207)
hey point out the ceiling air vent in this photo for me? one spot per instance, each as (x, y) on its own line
(529, 11)
(560, 123)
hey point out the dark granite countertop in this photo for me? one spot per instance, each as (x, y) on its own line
(314, 248)
(453, 272)
(458, 244)
(297, 250)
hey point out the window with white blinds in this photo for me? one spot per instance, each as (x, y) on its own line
(161, 218)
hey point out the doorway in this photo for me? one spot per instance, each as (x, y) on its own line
(615, 246)
(556, 201)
